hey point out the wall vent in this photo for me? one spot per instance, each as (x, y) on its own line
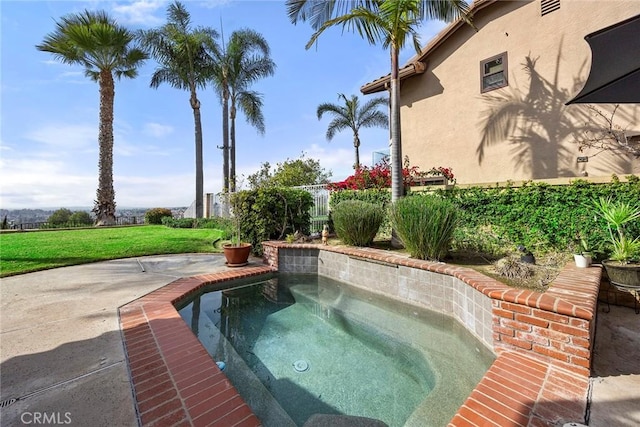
(548, 6)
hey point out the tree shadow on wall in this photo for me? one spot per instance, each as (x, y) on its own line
(537, 123)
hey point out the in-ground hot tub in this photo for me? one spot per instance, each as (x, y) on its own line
(299, 344)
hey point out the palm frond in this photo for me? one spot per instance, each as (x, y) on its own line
(250, 102)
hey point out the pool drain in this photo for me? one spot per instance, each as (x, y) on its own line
(301, 365)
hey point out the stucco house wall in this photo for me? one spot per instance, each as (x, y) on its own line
(521, 131)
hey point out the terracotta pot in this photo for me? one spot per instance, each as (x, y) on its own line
(237, 255)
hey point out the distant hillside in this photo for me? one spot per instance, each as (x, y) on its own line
(23, 216)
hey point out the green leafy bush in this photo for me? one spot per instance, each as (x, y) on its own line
(218, 223)
(271, 213)
(425, 224)
(66, 218)
(81, 218)
(487, 240)
(543, 217)
(155, 215)
(59, 217)
(357, 222)
(172, 222)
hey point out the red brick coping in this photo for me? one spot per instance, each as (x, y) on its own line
(175, 381)
(540, 377)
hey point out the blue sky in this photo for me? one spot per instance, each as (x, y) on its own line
(49, 110)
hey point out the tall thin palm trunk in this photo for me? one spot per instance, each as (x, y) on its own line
(225, 140)
(397, 187)
(105, 206)
(195, 105)
(232, 150)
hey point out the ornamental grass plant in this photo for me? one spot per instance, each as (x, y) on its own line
(356, 222)
(425, 225)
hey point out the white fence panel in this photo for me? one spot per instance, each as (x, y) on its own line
(320, 209)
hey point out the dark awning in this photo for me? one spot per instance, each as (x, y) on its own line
(614, 77)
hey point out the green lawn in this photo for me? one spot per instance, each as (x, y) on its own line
(39, 250)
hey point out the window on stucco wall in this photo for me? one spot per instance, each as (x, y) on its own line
(493, 73)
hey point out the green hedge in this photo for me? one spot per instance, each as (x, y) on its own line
(539, 216)
(271, 213)
(218, 223)
(543, 217)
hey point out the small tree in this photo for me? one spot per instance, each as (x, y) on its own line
(290, 173)
(60, 217)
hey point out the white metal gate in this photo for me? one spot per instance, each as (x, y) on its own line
(320, 209)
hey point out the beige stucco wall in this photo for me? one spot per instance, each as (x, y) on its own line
(444, 115)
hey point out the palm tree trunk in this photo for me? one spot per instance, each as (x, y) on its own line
(195, 104)
(397, 187)
(356, 145)
(105, 205)
(225, 140)
(232, 148)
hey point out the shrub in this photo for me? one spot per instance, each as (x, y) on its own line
(271, 213)
(155, 215)
(172, 222)
(487, 240)
(357, 222)
(378, 197)
(425, 224)
(218, 223)
(59, 217)
(81, 218)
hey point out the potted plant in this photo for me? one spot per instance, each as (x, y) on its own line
(236, 252)
(622, 266)
(583, 257)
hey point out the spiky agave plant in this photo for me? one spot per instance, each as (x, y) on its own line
(616, 215)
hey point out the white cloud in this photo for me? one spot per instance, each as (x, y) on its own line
(37, 183)
(140, 12)
(338, 160)
(67, 136)
(212, 4)
(42, 183)
(157, 130)
(72, 74)
(154, 191)
(52, 62)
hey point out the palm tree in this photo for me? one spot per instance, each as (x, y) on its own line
(179, 50)
(351, 116)
(244, 60)
(104, 48)
(389, 22)
(250, 61)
